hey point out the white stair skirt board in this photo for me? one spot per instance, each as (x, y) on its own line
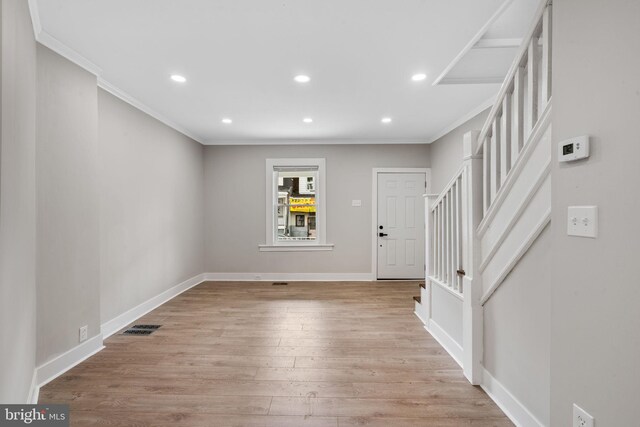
(506, 401)
(290, 277)
(453, 348)
(518, 254)
(52, 369)
(114, 325)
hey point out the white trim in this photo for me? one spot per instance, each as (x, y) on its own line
(374, 208)
(518, 254)
(74, 56)
(519, 211)
(532, 142)
(474, 40)
(449, 344)
(498, 43)
(418, 310)
(508, 403)
(136, 103)
(296, 248)
(35, 18)
(462, 120)
(270, 204)
(34, 390)
(314, 141)
(52, 369)
(495, 80)
(112, 326)
(65, 51)
(446, 288)
(289, 277)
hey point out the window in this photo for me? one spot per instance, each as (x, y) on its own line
(295, 207)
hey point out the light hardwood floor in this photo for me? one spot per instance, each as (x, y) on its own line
(253, 354)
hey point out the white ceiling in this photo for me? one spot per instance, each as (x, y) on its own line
(240, 57)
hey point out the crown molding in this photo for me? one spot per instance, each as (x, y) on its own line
(35, 17)
(465, 118)
(134, 102)
(314, 141)
(65, 51)
(74, 56)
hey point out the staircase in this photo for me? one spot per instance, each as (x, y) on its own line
(495, 207)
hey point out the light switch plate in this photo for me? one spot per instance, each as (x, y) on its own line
(356, 203)
(582, 221)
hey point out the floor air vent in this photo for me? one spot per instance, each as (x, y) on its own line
(279, 283)
(153, 327)
(141, 330)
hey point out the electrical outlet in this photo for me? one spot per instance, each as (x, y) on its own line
(83, 333)
(581, 418)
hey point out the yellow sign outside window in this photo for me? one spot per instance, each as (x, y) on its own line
(305, 204)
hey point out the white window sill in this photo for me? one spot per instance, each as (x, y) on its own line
(296, 248)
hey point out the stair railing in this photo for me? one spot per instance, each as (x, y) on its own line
(452, 218)
(525, 93)
(456, 217)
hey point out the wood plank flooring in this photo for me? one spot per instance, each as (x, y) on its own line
(257, 355)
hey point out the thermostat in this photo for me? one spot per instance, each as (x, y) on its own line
(573, 149)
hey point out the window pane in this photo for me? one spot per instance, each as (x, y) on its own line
(296, 206)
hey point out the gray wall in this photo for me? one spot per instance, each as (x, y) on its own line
(68, 227)
(152, 206)
(17, 202)
(235, 206)
(595, 320)
(517, 330)
(446, 152)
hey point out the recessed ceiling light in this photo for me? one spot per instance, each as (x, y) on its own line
(227, 121)
(418, 77)
(307, 120)
(178, 78)
(301, 78)
(386, 120)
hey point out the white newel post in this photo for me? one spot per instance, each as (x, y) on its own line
(472, 312)
(428, 253)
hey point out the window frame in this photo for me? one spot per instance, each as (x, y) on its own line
(272, 244)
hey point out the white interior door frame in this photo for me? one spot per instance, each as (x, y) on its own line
(374, 207)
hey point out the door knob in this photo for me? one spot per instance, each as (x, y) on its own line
(382, 234)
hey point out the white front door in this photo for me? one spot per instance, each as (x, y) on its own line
(400, 225)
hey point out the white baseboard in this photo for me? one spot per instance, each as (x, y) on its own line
(512, 407)
(290, 277)
(419, 316)
(114, 325)
(419, 311)
(52, 369)
(445, 340)
(34, 390)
